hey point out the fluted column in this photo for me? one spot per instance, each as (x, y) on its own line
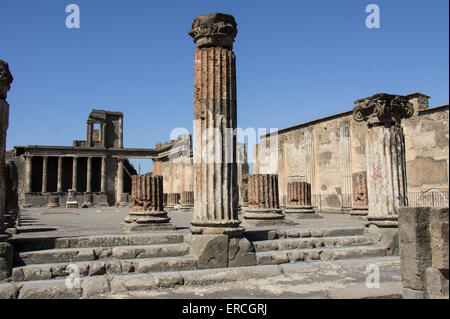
(6, 249)
(75, 173)
(299, 200)
(89, 175)
(148, 212)
(215, 117)
(59, 178)
(263, 201)
(345, 159)
(44, 174)
(386, 174)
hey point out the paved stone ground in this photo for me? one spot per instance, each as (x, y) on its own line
(58, 222)
(340, 282)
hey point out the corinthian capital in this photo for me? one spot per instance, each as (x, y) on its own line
(5, 79)
(214, 30)
(382, 108)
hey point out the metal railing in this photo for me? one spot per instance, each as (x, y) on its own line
(340, 202)
(433, 197)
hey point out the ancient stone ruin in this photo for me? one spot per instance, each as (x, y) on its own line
(296, 206)
(148, 212)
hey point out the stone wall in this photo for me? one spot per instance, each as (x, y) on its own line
(328, 151)
(424, 249)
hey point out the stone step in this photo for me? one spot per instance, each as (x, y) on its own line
(61, 255)
(124, 285)
(311, 242)
(257, 235)
(103, 267)
(298, 255)
(155, 238)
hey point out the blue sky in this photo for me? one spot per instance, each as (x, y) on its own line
(296, 61)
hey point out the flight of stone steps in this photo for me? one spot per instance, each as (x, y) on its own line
(149, 260)
(296, 245)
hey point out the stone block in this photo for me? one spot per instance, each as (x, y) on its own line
(436, 283)
(210, 250)
(8, 291)
(415, 249)
(94, 287)
(241, 252)
(439, 233)
(412, 294)
(6, 260)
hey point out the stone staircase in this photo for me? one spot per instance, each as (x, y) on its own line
(297, 245)
(111, 263)
(104, 255)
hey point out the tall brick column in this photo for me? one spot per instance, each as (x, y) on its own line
(215, 117)
(385, 156)
(6, 250)
(148, 212)
(299, 200)
(263, 201)
(360, 196)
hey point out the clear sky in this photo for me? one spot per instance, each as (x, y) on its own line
(296, 61)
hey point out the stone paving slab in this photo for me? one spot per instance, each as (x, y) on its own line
(64, 222)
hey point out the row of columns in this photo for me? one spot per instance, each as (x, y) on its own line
(29, 174)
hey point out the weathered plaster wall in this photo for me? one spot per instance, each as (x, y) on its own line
(327, 152)
(427, 149)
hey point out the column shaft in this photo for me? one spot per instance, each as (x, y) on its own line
(119, 186)
(28, 173)
(59, 181)
(103, 176)
(44, 174)
(75, 173)
(89, 175)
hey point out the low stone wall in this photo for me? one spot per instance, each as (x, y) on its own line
(424, 252)
(42, 200)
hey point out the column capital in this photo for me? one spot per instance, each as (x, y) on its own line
(5, 79)
(382, 108)
(214, 30)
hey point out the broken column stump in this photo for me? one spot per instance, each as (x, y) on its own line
(186, 201)
(360, 196)
(299, 201)
(53, 201)
(263, 202)
(148, 212)
(173, 200)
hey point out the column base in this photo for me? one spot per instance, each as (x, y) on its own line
(230, 228)
(171, 207)
(186, 207)
(142, 220)
(262, 217)
(301, 212)
(359, 211)
(384, 232)
(73, 204)
(220, 251)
